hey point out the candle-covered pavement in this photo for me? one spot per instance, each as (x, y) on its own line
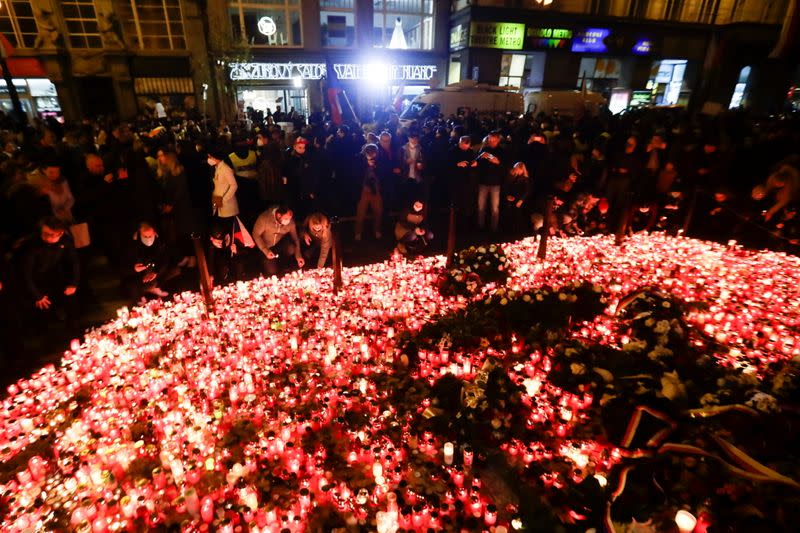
(278, 411)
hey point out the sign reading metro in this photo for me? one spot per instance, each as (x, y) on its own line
(315, 71)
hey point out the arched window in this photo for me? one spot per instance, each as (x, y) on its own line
(738, 97)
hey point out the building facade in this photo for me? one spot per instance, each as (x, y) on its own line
(277, 51)
(665, 52)
(105, 57)
(120, 57)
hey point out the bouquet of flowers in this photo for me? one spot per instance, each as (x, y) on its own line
(473, 268)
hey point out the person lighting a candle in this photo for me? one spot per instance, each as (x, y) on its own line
(316, 234)
(275, 234)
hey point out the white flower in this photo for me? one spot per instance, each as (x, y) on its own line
(764, 402)
(481, 250)
(539, 298)
(569, 352)
(708, 399)
(666, 304)
(492, 248)
(503, 259)
(504, 301)
(577, 369)
(526, 298)
(658, 352)
(562, 296)
(661, 327)
(607, 376)
(649, 322)
(671, 386)
(636, 345)
(597, 288)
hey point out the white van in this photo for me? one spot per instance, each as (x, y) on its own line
(573, 104)
(466, 94)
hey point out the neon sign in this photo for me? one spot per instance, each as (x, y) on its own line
(591, 40)
(548, 37)
(315, 71)
(643, 47)
(503, 35)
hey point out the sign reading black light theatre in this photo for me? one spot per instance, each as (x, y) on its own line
(505, 35)
(315, 71)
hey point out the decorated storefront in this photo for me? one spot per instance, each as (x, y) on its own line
(283, 85)
(552, 52)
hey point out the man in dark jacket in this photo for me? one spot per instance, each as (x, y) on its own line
(461, 165)
(492, 169)
(300, 177)
(49, 270)
(623, 178)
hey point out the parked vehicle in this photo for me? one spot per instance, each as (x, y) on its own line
(466, 94)
(567, 103)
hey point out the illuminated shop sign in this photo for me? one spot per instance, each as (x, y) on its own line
(548, 37)
(591, 40)
(458, 37)
(503, 35)
(315, 71)
(643, 47)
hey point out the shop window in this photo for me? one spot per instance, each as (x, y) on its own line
(454, 70)
(80, 18)
(153, 24)
(522, 70)
(266, 22)
(666, 81)
(512, 70)
(18, 24)
(738, 97)
(338, 22)
(403, 24)
(600, 74)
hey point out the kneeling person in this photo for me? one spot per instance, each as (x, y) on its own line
(317, 235)
(275, 234)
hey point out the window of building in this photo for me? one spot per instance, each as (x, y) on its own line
(18, 24)
(154, 24)
(666, 81)
(738, 97)
(454, 70)
(338, 22)
(403, 24)
(512, 69)
(522, 70)
(80, 18)
(266, 22)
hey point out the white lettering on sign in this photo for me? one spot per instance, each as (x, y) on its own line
(315, 71)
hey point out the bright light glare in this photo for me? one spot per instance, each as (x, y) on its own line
(376, 74)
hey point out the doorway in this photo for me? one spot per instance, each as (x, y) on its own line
(96, 95)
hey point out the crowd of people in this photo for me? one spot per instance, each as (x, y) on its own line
(263, 200)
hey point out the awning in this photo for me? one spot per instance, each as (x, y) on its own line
(25, 67)
(158, 86)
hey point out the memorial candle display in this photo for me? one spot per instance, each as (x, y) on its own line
(289, 407)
